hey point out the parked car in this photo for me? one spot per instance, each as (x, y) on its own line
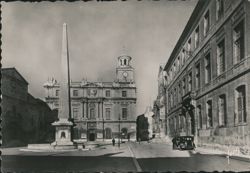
(183, 142)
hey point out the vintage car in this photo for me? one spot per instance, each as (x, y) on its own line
(183, 142)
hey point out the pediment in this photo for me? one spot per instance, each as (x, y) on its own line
(91, 84)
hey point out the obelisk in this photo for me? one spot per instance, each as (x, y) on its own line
(64, 124)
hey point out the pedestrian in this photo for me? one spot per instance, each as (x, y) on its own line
(139, 139)
(113, 141)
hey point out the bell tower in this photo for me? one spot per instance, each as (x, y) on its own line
(124, 71)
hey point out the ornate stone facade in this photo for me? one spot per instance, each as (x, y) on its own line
(99, 107)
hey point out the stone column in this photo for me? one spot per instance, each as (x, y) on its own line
(83, 109)
(101, 110)
(98, 105)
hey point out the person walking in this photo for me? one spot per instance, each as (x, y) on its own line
(113, 141)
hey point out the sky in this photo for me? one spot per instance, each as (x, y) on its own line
(98, 32)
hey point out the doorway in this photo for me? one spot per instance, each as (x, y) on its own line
(92, 137)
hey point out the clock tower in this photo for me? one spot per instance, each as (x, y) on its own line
(124, 71)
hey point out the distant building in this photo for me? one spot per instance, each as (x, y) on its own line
(159, 107)
(208, 94)
(149, 115)
(142, 125)
(25, 119)
(99, 107)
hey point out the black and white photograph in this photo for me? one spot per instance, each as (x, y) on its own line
(125, 86)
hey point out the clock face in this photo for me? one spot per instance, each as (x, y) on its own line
(125, 74)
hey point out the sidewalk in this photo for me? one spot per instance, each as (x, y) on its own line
(104, 149)
(230, 154)
(233, 154)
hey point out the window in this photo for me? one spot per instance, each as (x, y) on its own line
(179, 92)
(75, 113)
(171, 74)
(178, 63)
(183, 56)
(241, 104)
(199, 116)
(92, 113)
(124, 93)
(197, 76)
(184, 86)
(107, 93)
(190, 81)
(169, 101)
(207, 68)
(57, 92)
(189, 47)
(222, 110)
(107, 113)
(221, 57)
(174, 69)
(209, 114)
(206, 23)
(75, 92)
(219, 9)
(238, 43)
(124, 113)
(175, 96)
(196, 37)
(171, 98)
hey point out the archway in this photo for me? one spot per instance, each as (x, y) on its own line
(124, 133)
(63, 135)
(92, 137)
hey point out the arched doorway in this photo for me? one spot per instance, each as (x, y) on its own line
(63, 135)
(92, 137)
(124, 133)
(108, 133)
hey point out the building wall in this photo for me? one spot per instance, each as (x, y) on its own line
(235, 73)
(87, 96)
(25, 119)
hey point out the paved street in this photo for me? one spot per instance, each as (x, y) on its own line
(104, 158)
(159, 157)
(130, 157)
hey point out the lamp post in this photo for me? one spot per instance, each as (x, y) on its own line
(119, 130)
(102, 129)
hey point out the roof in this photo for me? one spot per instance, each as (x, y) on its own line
(13, 69)
(198, 8)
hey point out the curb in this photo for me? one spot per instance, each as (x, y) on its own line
(245, 159)
(138, 168)
(240, 158)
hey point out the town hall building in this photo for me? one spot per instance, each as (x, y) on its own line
(100, 110)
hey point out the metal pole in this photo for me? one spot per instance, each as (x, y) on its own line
(119, 133)
(102, 129)
(102, 122)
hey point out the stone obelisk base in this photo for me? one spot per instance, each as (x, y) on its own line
(63, 135)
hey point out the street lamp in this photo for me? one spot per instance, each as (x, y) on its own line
(102, 129)
(119, 130)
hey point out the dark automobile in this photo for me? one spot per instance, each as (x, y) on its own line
(183, 142)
